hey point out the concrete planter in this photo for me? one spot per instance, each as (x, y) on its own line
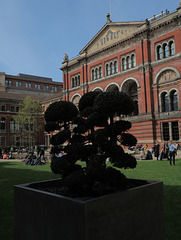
(136, 214)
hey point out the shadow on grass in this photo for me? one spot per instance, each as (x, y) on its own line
(13, 173)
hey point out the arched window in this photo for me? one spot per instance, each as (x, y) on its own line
(165, 102)
(165, 50)
(96, 73)
(111, 68)
(159, 52)
(133, 60)
(174, 101)
(100, 72)
(73, 82)
(172, 48)
(123, 64)
(17, 126)
(78, 80)
(93, 75)
(3, 123)
(115, 66)
(107, 70)
(128, 61)
(12, 124)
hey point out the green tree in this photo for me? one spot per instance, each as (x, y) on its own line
(29, 118)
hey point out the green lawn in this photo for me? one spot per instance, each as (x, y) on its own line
(12, 173)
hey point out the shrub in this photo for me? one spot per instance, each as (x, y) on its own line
(91, 134)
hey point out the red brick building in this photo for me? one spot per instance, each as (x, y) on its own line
(13, 90)
(142, 59)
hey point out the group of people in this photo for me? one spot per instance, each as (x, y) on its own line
(166, 150)
(35, 159)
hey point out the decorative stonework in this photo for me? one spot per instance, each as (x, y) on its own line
(167, 75)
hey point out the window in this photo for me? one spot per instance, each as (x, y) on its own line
(111, 68)
(165, 50)
(174, 100)
(35, 86)
(100, 72)
(55, 89)
(6, 82)
(115, 66)
(3, 123)
(107, 70)
(38, 86)
(175, 131)
(12, 109)
(172, 48)
(159, 52)
(96, 73)
(26, 85)
(75, 81)
(128, 62)
(17, 109)
(47, 87)
(123, 64)
(133, 61)
(10, 82)
(3, 108)
(165, 129)
(44, 87)
(17, 84)
(12, 124)
(165, 102)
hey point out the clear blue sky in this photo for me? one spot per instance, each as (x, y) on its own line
(36, 34)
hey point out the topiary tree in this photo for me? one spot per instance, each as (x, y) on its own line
(91, 134)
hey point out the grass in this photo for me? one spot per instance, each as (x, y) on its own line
(12, 173)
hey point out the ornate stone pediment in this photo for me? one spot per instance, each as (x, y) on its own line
(110, 34)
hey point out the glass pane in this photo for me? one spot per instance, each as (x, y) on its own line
(175, 131)
(166, 136)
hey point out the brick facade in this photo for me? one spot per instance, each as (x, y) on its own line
(142, 59)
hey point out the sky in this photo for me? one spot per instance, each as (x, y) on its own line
(36, 34)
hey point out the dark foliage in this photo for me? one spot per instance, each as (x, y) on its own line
(91, 134)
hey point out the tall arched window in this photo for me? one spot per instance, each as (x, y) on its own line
(128, 61)
(159, 52)
(174, 100)
(133, 60)
(165, 50)
(73, 82)
(78, 80)
(172, 48)
(111, 68)
(115, 66)
(96, 74)
(12, 124)
(93, 75)
(100, 72)
(3, 123)
(107, 70)
(123, 64)
(165, 102)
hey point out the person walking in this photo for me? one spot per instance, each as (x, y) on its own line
(156, 150)
(172, 151)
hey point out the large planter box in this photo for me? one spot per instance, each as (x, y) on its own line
(134, 214)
